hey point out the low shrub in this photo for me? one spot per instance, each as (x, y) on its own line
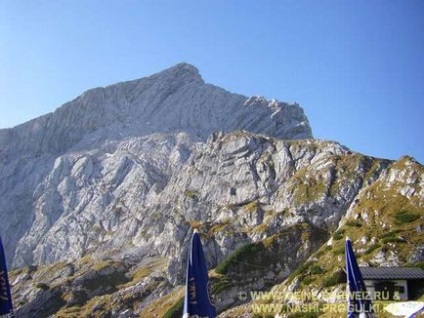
(353, 223)
(393, 240)
(316, 269)
(338, 235)
(176, 311)
(372, 248)
(242, 254)
(404, 217)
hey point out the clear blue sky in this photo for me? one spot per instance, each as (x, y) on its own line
(356, 67)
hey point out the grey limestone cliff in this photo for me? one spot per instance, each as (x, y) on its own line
(74, 151)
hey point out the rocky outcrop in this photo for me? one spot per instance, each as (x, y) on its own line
(263, 206)
(149, 191)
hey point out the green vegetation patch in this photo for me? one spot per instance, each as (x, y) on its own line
(354, 223)
(245, 255)
(301, 270)
(261, 256)
(372, 248)
(419, 265)
(220, 284)
(391, 234)
(109, 282)
(339, 235)
(165, 306)
(334, 279)
(393, 240)
(404, 217)
(316, 269)
(339, 250)
(176, 310)
(147, 269)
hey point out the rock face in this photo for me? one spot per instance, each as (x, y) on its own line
(123, 174)
(106, 133)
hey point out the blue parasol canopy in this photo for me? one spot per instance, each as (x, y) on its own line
(197, 302)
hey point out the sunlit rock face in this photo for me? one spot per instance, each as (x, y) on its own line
(67, 176)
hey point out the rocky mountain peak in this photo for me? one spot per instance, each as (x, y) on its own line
(172, 101)
(182, 72)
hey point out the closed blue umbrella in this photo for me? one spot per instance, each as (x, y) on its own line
(197, 302)
(358, 304)
(6, 307)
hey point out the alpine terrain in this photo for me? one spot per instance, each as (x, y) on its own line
(99, 200)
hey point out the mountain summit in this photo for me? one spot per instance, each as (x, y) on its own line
(174, 100)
